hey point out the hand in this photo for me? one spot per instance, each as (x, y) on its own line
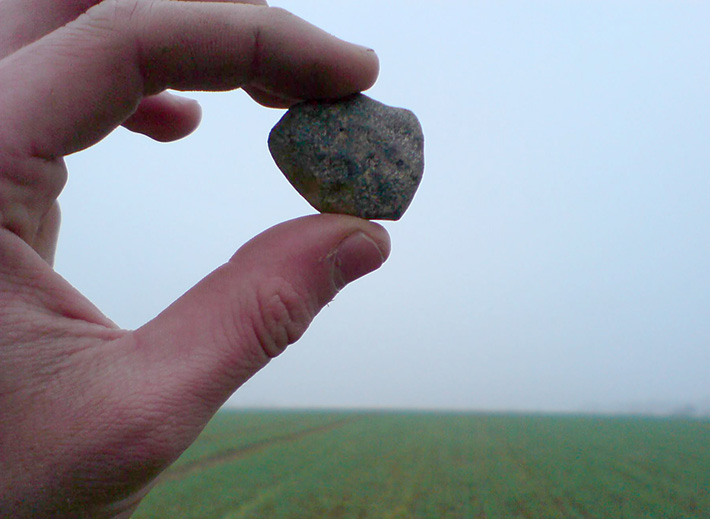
(90, 414)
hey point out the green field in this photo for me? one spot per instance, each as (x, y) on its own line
(424, 465)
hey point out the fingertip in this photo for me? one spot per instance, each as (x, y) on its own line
(355, 70)
(361, 252)
(165, 117)
(379, 235)
(297, 60)
(357, 255)
(269, 99)
(320, 253)
(371, 65)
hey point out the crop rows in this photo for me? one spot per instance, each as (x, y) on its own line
(420, 465)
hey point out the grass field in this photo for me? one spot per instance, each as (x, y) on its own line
(276, 465)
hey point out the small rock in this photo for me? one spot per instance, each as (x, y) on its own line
(351, 156)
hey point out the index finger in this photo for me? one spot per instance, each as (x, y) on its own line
(69, 89)
(24, 21)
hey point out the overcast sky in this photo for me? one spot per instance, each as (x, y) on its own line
(556, 257)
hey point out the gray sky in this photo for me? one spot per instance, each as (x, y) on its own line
(555, 258)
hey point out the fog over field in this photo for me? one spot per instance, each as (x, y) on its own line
(555, 258)
(437, 465)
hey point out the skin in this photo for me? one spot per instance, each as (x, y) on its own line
(90, 414)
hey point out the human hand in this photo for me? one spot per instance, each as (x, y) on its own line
(90, 414)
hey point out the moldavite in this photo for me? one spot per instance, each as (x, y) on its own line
(351, 156)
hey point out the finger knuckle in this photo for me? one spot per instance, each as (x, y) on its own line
(104, 15)
(109, 13)
(282, 315)
(29, 188)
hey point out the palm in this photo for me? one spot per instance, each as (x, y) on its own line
(68, 339)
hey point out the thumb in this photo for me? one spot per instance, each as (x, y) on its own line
(214, 338)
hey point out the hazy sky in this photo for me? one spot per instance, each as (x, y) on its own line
(556, 257)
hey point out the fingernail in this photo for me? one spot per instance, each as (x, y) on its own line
(363, 47)
(357, 255)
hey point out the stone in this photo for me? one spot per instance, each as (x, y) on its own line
(352, 156)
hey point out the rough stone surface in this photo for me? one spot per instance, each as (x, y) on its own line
(352, 156)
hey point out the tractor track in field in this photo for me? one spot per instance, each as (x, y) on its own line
(236, 453)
